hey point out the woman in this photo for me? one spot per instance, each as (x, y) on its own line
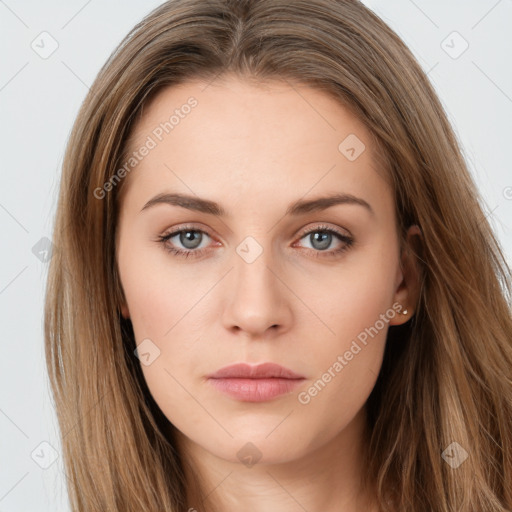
(276, 288)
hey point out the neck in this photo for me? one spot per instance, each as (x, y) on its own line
(328, 478)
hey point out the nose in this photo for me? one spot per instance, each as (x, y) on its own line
(258, 298)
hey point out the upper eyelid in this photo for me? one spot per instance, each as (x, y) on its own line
(302, 233)
(324, 227)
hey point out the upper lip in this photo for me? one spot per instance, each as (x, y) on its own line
(260, 371)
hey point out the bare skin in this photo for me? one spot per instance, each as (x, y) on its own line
(255, 150)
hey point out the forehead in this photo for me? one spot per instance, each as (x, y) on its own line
(251, 138)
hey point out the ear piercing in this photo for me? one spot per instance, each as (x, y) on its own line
(404, 312)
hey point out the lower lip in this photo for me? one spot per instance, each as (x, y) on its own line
(255, 390)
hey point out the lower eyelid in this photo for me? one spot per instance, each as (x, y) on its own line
(165, 239)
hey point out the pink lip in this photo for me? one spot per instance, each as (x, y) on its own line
(255, 383)
(260, 371)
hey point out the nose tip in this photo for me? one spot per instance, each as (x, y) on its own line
(257, 300)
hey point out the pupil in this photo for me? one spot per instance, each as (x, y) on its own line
(323, 238)
(188, 237)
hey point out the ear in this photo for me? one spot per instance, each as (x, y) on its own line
(120, 299)
(408, 277)
(124, 310)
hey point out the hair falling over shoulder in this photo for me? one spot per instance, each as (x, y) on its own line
(447, 373)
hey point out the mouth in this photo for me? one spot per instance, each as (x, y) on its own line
(259, 383)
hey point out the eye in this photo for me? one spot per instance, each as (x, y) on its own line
(191, 239)
(322, 237)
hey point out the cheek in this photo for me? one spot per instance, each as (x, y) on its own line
(347, 350)
(156, 293)
(164, 328)
(163, 306)
(345, 363)
(347, 360)
(354, 295)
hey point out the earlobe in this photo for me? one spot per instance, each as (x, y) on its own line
(124, 311)
(407, 293)
(120, 298)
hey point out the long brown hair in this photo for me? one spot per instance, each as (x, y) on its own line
(447, 373)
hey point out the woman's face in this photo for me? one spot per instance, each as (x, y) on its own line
(271, 270)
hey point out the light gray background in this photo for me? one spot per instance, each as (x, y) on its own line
(39, 99)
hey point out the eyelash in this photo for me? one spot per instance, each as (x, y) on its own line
(348, 242)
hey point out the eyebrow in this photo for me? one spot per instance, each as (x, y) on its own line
(297, 208)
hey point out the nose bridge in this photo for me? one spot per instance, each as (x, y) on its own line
(258, 298)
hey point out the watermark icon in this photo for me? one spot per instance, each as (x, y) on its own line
(43, 250)
(249, 249)
(147, 352)
(44, 455)
(351, 147)
(249, 454)
(44, 45)
(507, 193)
(454, 455)
(304, 397)
(151, 142)
(454, 45)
